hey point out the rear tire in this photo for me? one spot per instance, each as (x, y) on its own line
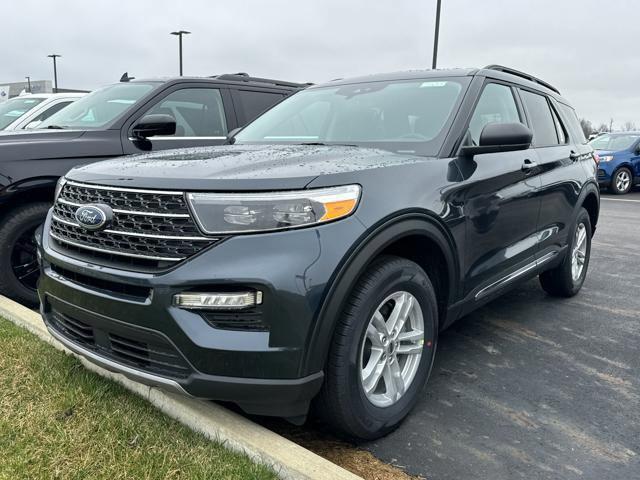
(622, 181)
(19, 269)
(363, 347)
(566, 279)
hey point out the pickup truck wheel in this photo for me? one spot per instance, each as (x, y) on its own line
(566, 280)
(19, 269)
(622, 181)
(382, 350)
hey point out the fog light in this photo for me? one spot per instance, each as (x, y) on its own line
(218, 301)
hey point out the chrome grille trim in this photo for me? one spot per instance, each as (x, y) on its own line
(123, 189)
(134, 234)
(133, 212)
(113, 252)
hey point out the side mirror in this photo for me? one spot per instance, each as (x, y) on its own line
(501, 137)
(230, 136)
(152, 125)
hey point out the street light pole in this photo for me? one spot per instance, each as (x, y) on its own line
(437, 34)
(55, 71)
(179, 34)
(28, 84)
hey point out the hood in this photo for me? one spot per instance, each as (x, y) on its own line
(236, 167)
(51, 144)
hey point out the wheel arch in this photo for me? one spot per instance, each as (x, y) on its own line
(590, 200)
(387, 237)
(30, 190)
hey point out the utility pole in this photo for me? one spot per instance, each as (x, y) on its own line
(55, 71)
(434, 63)
(28, 84)
(179, 34)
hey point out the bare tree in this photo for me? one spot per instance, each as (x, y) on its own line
(603, 127)
(628, 126)
(587, 127)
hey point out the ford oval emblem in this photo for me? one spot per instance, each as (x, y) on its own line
(94, 217)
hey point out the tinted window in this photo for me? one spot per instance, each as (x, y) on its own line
(249, 104)
(496, 105)
(51, 110)
(560, 130)
(541, 118)
(573, 123)
(407, 116)
(13, 109)
(198, 112)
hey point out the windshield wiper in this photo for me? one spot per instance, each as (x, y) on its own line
(328, 144)
(55, 127)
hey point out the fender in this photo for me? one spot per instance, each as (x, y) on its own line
(590, 187)
(355, 262)
(25, 186)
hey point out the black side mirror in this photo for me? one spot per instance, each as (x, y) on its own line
(500, 137)
(152, 125)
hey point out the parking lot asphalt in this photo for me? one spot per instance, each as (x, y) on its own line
(535, 387)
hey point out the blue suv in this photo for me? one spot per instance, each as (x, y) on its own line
(619, 155)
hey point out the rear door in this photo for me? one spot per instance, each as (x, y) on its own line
(501, 206)
(561, 172)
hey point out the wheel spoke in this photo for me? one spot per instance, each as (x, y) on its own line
(393, 380)
(374, 336)
(372, 373)
(412, 336)
(410, 349)
(396, 312)
(379, 324)
(404, 315)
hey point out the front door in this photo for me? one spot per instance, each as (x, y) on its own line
(501, 207)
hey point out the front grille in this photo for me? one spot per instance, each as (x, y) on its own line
(153, 354)
(135, 291)
(248, 321)
(150, 229)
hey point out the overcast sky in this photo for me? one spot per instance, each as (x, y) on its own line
(589, 49)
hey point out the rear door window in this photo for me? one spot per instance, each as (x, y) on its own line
(251, 103)
(541, 118)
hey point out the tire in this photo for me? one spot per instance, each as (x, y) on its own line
(561, 281)
(622, 181)
(342, 402)
(18, 263)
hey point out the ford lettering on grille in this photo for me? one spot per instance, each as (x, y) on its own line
(93, 217)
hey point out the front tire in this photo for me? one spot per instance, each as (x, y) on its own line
(566, 279)
(382, 350)
(622, 181)
(19, 269)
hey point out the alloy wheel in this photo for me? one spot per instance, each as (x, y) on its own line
(24, 260)
(579, 253)
(623, 181)
(392, 348)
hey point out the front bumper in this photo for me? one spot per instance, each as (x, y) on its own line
(126, 322)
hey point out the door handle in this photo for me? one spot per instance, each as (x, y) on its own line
(528, 165)
(574, 156)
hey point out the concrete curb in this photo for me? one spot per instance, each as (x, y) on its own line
(287, 459)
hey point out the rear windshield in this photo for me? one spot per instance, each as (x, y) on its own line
(614, 142)
(99, 108)
(13, 109)
(401, 116)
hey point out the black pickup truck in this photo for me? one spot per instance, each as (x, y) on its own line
(121, 119)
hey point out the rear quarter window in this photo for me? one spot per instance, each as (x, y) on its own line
(251, 103)
(571, 120)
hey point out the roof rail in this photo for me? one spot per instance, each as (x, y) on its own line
(245, 77)
(518, 73)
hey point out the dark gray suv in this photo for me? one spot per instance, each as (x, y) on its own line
(317, 258)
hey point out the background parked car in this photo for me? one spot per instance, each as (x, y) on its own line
(125, 118)
(28, 111)
(619, 153)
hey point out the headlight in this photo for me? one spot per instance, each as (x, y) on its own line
(219, 213)
(59, 185)
(606, 158)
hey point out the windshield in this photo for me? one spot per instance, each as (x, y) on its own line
(400, 116)
(614, 142)
(13, 109)
(100, 107)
